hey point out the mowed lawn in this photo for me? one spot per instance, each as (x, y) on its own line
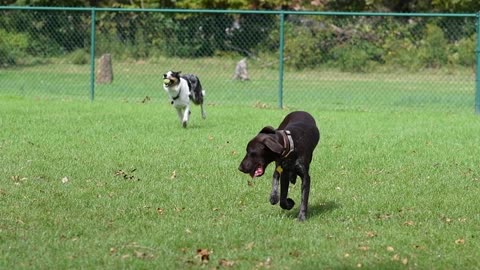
(120, 185)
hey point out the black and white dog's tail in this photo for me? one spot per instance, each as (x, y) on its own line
(196, 91)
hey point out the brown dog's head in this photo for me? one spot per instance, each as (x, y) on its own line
(261, 151)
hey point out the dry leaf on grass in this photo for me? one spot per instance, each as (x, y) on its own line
(226, 263)
(127, 175)
(364, 248)
(460, 241)
(266, 264)
(203, 254)
(409, 223)
(249, 246)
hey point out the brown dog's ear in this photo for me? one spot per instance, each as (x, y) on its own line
(273, 145)
(268, 130)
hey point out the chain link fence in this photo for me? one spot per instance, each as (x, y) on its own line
(297, 60)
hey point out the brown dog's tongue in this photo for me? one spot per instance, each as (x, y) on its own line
(258, 172)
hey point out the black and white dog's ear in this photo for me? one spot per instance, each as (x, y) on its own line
(268, 130)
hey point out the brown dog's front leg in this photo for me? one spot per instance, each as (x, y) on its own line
(286, 203)
(276, 177)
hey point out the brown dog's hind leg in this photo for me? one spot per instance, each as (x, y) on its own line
(302, 215)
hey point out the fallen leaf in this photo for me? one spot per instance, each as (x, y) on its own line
(405, 261)
(226, 263)
(267, 263)
(371, 234)
(390, 248)
(295, 253)
(204, 254)
(249, 246)
(364, 248)
(141, 254)
(409, 223)
(460, 241)
(174, 175)
(160, 211)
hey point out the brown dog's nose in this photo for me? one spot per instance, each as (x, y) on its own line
(242, 167)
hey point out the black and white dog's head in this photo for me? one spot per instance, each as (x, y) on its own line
(171, 78)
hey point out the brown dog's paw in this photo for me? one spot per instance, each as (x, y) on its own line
(274, 199)
(287, 204)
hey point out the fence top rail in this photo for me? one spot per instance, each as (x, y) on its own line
(242, 11)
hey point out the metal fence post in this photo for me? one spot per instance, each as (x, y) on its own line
(280, 67)
(477, 68)
(92, 56)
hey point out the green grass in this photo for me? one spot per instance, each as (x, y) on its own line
(116, 185)
(451, 90)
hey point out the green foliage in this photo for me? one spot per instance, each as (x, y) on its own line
(400, 53)
(79, 57)
(357, 56)
(354, 44)
(13, 46)
(433, 47)
(301, 48)
(461, 53)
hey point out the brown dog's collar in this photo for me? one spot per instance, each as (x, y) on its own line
(287, 142)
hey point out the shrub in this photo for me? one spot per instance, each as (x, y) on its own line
(79, 57)
(356, 56)
(12, 47)
(301, 49)
(433, 48)
(400, 53)
(464, 52)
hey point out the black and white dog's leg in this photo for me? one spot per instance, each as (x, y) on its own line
(275, 181)
(303, 172)
(186, 115)
(285, 202)
(204, 115)
(180, 114)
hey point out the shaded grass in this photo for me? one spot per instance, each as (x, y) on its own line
(120, 185)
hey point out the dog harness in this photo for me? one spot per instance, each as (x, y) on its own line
(288, 143)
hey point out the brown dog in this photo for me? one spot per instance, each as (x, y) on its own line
(291, 147)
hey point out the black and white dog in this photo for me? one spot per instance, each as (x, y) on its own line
(182, 89)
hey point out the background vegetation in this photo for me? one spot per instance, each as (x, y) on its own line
(356, 44)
